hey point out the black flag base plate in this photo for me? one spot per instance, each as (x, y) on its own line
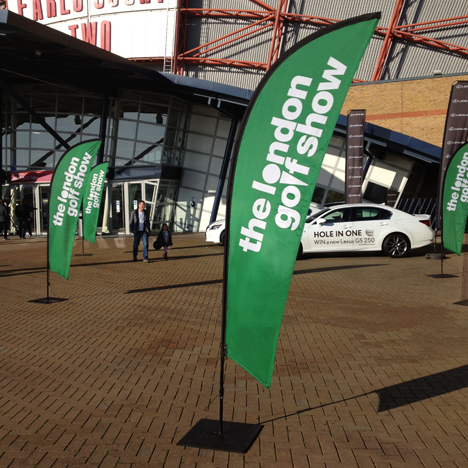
(236, 437)
(442, 275)
(48, 300)
(83, 255)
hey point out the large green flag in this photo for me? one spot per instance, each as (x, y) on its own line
(285, 134)
(455, 201)
(92, 200)
(66, 194)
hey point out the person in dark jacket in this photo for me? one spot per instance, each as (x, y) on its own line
(4, 219)
(22, 213)
(140, 228)
(164, 239)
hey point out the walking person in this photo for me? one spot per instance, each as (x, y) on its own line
(4, 219)
(164, 239)
(140, 228)
(22, 213)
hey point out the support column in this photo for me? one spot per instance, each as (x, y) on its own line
(102, 128)
(106, 218)
(224, 168)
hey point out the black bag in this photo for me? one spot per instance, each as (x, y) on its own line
(157, 245)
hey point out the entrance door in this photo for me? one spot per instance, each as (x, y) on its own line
(29, 193)
(165, 206)
(118, 208)
(43, 208)
(150, 192)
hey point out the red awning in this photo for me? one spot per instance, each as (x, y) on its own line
(30, 177)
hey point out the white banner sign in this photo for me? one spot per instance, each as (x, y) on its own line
(130, 28)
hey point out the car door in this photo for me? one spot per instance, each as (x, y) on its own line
(328, 233)
(371, 224)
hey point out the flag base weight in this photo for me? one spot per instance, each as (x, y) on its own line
(442, 275)
(48, 300)
(83, 255)
(236, 437)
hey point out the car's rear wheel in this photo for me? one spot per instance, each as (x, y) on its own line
(396, 245)
(222, 237)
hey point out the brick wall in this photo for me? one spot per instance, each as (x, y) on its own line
(413, 107)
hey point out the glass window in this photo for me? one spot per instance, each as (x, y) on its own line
(42, 159)
(149, 153)
(339, 216)
(68, 124)
(50, 120)
(376, 193)
(42, 140)
(91, 125)
(153, 114)
(149, 191)
(335, 197)
(22, 157)
(366, 213)
(130, 109)
(127, 129)
(317, 197)
(152, 133)
(22, 139)
(22, 122)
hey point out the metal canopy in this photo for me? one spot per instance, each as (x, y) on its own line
(30, 51)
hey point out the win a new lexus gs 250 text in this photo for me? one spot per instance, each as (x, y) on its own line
(354, 228)
(366, 227)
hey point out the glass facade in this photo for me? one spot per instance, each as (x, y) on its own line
(143, 130)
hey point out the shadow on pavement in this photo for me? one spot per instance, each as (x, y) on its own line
(203, 283)
(345, 267)
(423, 388)
(405, 393)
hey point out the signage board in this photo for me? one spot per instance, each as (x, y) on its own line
(129, 28)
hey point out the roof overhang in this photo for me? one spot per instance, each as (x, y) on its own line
(395, 141)
(33, 52)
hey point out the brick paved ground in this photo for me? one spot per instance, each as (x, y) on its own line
(372, 362)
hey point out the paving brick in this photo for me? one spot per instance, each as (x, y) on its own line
(116, 376)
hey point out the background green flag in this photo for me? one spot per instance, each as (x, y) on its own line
(455, 201)
(66, 193)
(287, 129)
(92, 200)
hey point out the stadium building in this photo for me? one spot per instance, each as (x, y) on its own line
(165, 84)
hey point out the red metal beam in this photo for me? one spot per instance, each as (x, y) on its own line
(277, 31)
(388, 40)
(180, 39)
(431, 42)
(435, 24)
(185, 54)
(221, 13)
(226, 62)
(276, 17)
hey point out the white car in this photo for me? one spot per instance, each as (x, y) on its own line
(366, 227)
(215, 231)
(354, 228)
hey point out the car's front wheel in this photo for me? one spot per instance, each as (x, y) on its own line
(222, 237)
(396, 245)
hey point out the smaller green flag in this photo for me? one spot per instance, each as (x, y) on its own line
(455, 202)
(66, 194)
(92, 200)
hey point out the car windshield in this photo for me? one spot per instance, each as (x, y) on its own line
(317, 215)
